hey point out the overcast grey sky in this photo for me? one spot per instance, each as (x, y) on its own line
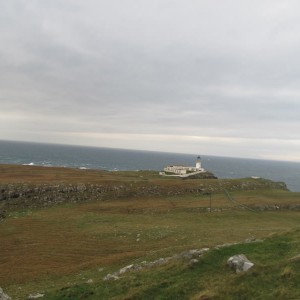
(194, 76)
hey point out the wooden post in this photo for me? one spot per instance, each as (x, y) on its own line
(208, 194)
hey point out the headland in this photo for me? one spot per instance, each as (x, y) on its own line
(70, 233)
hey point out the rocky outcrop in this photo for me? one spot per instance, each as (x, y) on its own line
(3, 296)
(191, 256)
(202, 175)
(239, 263)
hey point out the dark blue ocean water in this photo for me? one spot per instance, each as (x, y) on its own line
(119, 159)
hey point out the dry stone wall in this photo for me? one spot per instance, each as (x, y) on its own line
(22, 196)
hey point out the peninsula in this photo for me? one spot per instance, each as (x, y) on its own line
(74, 234)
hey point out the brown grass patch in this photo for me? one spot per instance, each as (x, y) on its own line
(65, 240)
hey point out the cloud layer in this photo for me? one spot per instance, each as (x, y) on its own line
(211, 77)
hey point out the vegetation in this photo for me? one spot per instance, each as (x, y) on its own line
(276, 275)
(57, 250)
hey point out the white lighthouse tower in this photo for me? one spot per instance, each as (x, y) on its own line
(198, 164)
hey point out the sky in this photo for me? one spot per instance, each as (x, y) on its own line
(196, 76)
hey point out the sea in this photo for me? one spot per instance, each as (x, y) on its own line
(82, 157)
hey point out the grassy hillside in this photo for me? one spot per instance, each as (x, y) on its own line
(56, 250)
(275, 275)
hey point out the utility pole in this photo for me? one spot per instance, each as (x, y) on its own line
(208, 194)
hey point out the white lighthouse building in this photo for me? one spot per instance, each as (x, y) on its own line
(198, 164)
(182, 170)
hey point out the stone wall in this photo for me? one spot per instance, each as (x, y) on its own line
(23, 196)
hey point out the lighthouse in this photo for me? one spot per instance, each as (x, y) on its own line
(198, 163)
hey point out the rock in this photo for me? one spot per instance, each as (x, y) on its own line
(161, 261)
(193, 261)
(116, 275)
(224, 245)
(249, 240)
(239, 263)
(3, 296)
(90, 281)
(126, 269)
(199, 252)
(253, 240)
(35, 296)
(192, 253)
(295, 258)
(111, 277)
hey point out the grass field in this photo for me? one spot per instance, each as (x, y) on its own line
(37, 174)
(44, 250)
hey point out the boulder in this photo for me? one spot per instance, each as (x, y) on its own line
(239, 263)
(3, 296)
